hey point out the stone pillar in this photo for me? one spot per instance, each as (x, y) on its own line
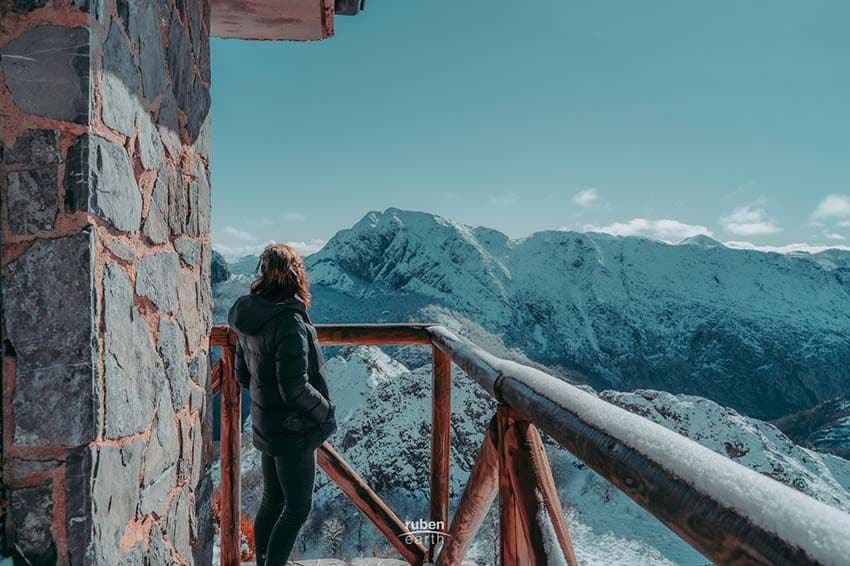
(105, 280)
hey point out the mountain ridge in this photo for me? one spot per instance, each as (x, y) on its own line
(764, 333)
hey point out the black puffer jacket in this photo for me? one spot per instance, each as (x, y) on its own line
(279, 360)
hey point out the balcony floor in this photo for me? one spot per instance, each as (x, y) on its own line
(336, 562)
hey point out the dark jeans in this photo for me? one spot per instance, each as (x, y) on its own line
(287, 500)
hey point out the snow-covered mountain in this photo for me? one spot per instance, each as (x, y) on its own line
(765, 333)
(824, 427)
(384, 433)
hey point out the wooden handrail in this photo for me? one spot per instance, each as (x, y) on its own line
(697, 493)
(766, 523)
(349, 335)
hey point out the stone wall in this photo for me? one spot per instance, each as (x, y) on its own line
(105, 280)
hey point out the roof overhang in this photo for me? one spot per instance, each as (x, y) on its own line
(298, 20)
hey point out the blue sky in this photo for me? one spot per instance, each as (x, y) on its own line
(660, 118)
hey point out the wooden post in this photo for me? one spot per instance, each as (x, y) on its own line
(512, 547)
(441, 414)
(368, 502)
(230, 435)
(478, 496)
(536, 496)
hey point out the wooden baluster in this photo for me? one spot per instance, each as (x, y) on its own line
(478, 496)
(513, 550)
(368, 502)
(230, 436)
(441, 414)
(536, 496)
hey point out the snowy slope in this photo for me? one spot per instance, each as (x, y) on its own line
(825, 427)
(385, 435)
(766, 333)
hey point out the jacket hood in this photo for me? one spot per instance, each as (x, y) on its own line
(249, 314)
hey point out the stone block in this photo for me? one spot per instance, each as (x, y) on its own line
(157, 279)
(192, 17)
(199, 370)
(202, 144)
(133, 372)
(179, 522)
(153, 497)
(33, 191)
(96, 8)
(163, 450)
(171, 344)
(158, 550)
(122, 7)
(202, 545)
(191, 449)
(48, 318)
(160, 468)
(21, 467)
(145, 36)
(47, 72)
(119, 84)
(199, 201)
(78, 503)
(33, 200)
(121, 250)
(99, 178)
(197, 109)
(115, 496)
(34, 148)
(178, 205)
(204, 61)
(189, 251)
(179, 54)
(191, 316)
(31, 509)
(135, 556)
(169, 124)
(148, 143)
(25, 6)
(156, 222)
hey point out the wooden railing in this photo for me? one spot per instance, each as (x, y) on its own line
(729, 513)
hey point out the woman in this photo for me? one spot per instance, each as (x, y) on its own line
(279, 360)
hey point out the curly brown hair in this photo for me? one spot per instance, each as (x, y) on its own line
(281, 275)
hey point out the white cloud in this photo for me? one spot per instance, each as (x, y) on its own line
(233, 252)
(294, 217)
(239, 235)
(833, 206)
(835, 236)
(307, 248)
(786, 249)
(749, 220)
(844, 223)
(504, 199)
(586, 198)
(665, 229)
